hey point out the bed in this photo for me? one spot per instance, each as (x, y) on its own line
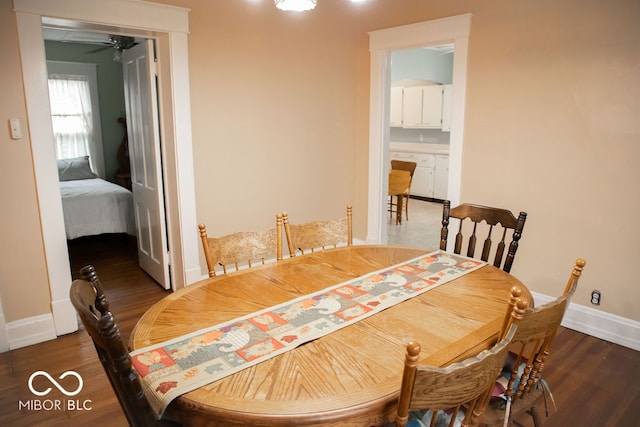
(91, 205)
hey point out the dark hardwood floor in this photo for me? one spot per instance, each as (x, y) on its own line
(594, 382)
(130, 292)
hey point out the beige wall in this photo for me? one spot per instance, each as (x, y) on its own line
(274, 129)
(552, 129)
(24, 287)
(280, 110)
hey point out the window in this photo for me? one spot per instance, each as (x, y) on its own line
(71, 115)
(75, 114)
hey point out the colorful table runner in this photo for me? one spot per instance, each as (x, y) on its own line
(180, 365)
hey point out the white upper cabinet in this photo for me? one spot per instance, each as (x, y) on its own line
(412, 107)
(446, 107)
(395, 107)
(417, 107)
(431, 107)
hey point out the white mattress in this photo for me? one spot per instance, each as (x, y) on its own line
(96, 206)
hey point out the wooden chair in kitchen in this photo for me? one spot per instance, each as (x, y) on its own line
(242, 249)
(87, 297)
(318, 235)
(521, 387)
(455, 395)
(502, 219)
(399, 184)
(411, 168)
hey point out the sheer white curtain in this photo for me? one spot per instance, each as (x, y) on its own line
(71, 115)
(75, 112)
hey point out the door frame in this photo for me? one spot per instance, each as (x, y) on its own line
(168, 25)
(381, 43)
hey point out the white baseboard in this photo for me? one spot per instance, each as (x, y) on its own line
(606, 326)
(194, 275)
(65, 317)
(32, 330)
(4, 342)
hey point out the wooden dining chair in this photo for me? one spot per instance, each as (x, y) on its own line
(87, 297)
(241, 249)
(399, 185)
(411, 168)
(502, 219)
(455, 394)
(521, 378)
(318, 235)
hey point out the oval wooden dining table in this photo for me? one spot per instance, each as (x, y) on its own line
(350, 377)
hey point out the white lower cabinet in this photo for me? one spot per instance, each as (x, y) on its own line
(441, 177)
(422, 183)
(430, 178)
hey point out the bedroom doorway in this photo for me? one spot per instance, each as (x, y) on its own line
(168, 25)
(124, 82)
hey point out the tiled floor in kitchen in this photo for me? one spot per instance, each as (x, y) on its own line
(421, 229)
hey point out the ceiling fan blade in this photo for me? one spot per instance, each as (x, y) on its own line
(100, 49)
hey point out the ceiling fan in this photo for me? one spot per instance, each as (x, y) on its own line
(119, 43)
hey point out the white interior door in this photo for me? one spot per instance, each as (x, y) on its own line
(146, 160)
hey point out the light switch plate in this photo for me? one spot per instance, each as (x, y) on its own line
(16, 131)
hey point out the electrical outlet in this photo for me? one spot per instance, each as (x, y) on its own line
(595, 297)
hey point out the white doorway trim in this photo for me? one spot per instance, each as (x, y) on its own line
(169, 26)
(381, 43)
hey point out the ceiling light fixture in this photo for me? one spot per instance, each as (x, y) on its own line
(296, 5)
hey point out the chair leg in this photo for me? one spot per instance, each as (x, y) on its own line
(393, 209)
(535, 415)
(406, 206)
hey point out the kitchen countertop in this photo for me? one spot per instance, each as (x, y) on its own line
(417, 147)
